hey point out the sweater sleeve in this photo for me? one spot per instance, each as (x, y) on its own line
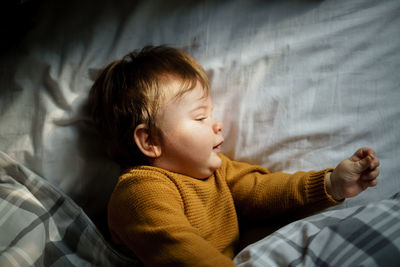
(147, 216)
(260, 193)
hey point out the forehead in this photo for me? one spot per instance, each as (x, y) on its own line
(176, 107)
(185, 91)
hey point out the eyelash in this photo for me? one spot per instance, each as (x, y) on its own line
(201, 119)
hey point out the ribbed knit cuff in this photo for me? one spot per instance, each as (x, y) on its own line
(316, 189)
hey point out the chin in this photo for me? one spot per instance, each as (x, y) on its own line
(208, 171)
(203, 171)
(216, 164)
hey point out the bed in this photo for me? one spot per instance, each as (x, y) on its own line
(298, 85)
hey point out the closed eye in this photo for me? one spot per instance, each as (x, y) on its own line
(201, 118)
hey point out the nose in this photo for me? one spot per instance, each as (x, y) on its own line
(217, 127)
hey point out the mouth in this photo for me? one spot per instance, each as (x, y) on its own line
(217, 148)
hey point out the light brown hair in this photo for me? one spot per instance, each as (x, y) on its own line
(130, 91)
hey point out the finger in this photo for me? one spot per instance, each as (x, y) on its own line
(365, 184)
(373, 183)
(374, 163)
(362, 153)
(362, 165)
(370, 175)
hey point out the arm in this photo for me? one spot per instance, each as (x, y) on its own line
(353, 175)
(258, 193)
(148, 217)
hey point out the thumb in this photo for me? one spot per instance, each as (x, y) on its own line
(362, 165)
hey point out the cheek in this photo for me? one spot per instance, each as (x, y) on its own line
(196, 135)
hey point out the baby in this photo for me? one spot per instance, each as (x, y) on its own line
(179, 199)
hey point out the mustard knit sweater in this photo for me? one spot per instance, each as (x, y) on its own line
(169, 219)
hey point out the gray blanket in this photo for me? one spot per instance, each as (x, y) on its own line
(41, 226)
(366, 235)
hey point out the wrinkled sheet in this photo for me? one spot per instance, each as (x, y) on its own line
(298, 85)
(41, 226)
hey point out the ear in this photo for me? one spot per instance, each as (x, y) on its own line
(142, 140)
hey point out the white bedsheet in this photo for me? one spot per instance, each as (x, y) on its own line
(298, 85)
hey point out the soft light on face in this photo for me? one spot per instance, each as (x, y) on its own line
(191, 138)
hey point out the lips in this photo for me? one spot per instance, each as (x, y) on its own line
(217, 148)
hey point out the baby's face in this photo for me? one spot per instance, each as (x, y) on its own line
(191, 137)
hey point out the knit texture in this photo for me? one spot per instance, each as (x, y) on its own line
(169, 219)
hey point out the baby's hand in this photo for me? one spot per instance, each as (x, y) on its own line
(353, 175)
